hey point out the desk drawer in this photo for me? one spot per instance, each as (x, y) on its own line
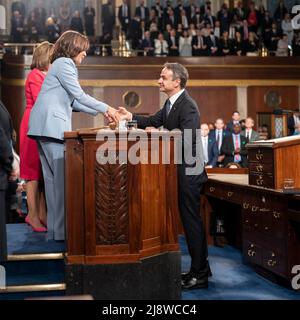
(260, 168)
(261, 180)
(274, 224)
(252, 252)
(274, 261)
(260, 155)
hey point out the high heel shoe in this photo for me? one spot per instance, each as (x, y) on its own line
(43, 223)
(39, 229)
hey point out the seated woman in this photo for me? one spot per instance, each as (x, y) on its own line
(233, 165)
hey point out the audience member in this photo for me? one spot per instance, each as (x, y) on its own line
(89, 17)
(248, 132)
(234, 147)
(210, 147)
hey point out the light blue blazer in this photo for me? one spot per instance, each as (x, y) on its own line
(61, 93)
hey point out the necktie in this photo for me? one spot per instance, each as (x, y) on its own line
(219, 140)
(161, 49)
(168, 107)
(205, 150)
(248, 136)
(142, 13)
(213, 40)
(237, 157)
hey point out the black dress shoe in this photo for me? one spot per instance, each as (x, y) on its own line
(185, 275)
(194, 283)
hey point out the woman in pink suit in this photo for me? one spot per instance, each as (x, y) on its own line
(30, 166)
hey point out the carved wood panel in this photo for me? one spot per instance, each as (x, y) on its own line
(111, 197)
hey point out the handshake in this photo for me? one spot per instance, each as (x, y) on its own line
(116, 115)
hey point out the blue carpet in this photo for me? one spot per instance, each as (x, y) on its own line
(232, 279)
(21, 239)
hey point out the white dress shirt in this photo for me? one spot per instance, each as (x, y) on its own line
(175, 97)
(248, 133)
(205, 148)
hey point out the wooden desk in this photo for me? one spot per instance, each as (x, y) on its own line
(268, 222)
(122, 237)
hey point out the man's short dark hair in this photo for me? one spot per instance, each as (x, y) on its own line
(179, 72)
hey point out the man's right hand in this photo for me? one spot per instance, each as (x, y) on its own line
(124, 114)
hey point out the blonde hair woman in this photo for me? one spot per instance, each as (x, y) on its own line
(30, 165)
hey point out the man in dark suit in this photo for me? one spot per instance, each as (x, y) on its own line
(218, 135)
(181, 112)
(199, 46)
(108, 17)
(235, 119)
(234, 148)
(173, 43)
(249, 133)
(142, 12)
(124, 16)
(6, 159)
(147, 44)
(210, 147)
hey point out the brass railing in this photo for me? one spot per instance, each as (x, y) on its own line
(117, 49)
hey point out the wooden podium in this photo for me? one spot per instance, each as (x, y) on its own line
(122, 217)
(273, 161)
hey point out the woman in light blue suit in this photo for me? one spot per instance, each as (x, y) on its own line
(51, 116)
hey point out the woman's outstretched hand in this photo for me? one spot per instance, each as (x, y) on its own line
(113, 115)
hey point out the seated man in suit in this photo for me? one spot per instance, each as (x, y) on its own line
(210, 148)
(234, 147)
(249, 133)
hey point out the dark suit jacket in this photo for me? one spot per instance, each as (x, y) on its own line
(254, 135)
(183, 115)
(213, 152)
(108, 18)
(212, 136)
(229, 126)
(173, 52)
(138, 12)
(6, 157)
(228, 150)
(122, 19)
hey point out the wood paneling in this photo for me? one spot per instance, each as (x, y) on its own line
(199, 68)
(212, 82)
(214, 102)
(113, 216)
(256, 98)
(149, 98)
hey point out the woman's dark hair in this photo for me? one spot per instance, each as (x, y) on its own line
(69, 45)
